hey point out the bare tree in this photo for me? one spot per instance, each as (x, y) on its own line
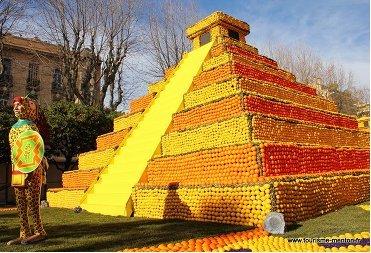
(164, 35)
(95, 36)
(330, 79)
(11, 11)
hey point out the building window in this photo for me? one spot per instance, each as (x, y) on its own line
(33, 82)
(57, 88)
(205, 38)
(6, 82)
(233, 34)
(57, 80)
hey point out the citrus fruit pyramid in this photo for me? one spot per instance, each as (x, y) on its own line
(249, 139)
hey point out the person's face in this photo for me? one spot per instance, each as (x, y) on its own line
(18, 109)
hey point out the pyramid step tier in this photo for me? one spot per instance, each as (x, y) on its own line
(127, 121)
(141, 103)
(237, 104)
(156, 87)
(235, 85)
(248, 128)
(243, 52)
(298, 198)
(79, 178)
(97, 159)
(281, 130)
(243, 70)
(228, 57)
(64, 197)
(246, 162)
(111, 140)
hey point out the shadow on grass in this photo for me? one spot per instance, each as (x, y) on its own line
(292, 227)
(115, 235)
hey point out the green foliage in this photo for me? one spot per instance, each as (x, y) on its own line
(74, 128)
(7, 119)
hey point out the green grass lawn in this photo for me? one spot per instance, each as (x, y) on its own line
(68, 231)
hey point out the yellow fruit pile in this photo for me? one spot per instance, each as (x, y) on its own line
(228, 132)
(141, 103)
(156, 87)
(244, 205)
(305, 198)
(278, 130)
(126, 121)
(65, 198)
(79, 178)
(111, 140)
(211, 93)
(201, 115)
(226, 165)
(95, 159)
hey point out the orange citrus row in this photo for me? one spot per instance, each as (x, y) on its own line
(209, 113)
(205, 244)
(79, 178)
(141, 103)
(226, 41)
(111, 140)
(286, 159)
(233, 57)
(245, 241)
(303, 199)
(227, 165)
(236, 105)
(231, 69)
(286, 94)
(284, 110)
(244, 52)
(277, 130)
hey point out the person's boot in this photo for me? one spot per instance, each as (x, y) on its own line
(33, 239)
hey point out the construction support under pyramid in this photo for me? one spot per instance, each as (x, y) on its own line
(244, 139)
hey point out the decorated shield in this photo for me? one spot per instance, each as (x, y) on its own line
(28, 151)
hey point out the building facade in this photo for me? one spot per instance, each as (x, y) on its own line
(30, 66)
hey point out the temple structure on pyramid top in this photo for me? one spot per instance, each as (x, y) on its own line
(227, 136)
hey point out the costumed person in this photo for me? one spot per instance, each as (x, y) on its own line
(28, 174)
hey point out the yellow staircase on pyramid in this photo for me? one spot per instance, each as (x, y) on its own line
(110, 194)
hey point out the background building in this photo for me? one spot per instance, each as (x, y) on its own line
(30, 66)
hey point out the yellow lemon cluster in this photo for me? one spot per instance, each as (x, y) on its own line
(126, 121)
(65, 198)
(95, 159)
(211, 93)
(244, 205)
(228, 132)
(156, 87)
